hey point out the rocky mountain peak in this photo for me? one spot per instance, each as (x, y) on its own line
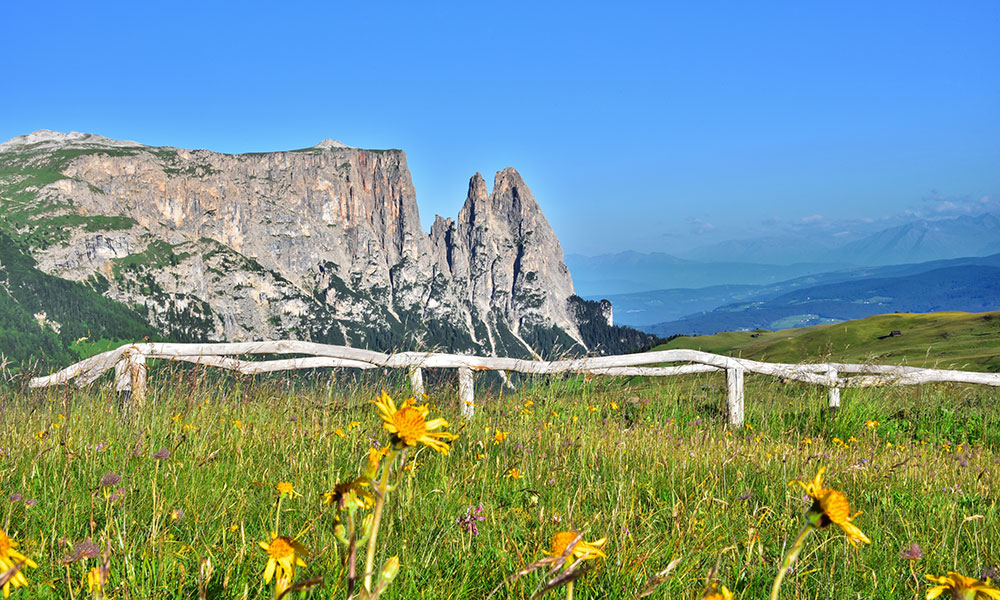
(325, 246)
(45, 139)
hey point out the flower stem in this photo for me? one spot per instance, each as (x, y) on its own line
(382, 488)
(790, 558)
(569, 591)
(277, 515)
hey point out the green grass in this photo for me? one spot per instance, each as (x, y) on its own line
(660, 476)
(946, 340)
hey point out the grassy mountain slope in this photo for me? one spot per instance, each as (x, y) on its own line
(947, 340)
(42, 316)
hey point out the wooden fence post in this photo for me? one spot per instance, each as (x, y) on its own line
(734, 395)
(466, 393)
(834, 394)
(130, 375)
(417, 383)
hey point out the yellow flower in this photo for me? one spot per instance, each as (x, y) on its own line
(94, 580)
(614, 406)
(831, 506)
(591, 409)
(351, 494)
(353, 424)
(408, 426)
(283, 554)
(371, 465)
(871, 424)
(285, 488)
(339, 433)
(575, 418)
(581, 550)
(8, 559)
(715, 593)
(238, 424)
(962, 587)
(528, 403)
(500, 436)
(514, 473)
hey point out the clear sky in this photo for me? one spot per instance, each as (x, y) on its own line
(643, 126)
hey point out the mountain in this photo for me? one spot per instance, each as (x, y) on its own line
(968, 288)
(629, 272)
(925, 240)
(322, 243)
(916, 241)
(643, 309)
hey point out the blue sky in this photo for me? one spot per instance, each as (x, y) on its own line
(647, 126)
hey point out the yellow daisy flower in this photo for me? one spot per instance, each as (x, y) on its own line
(8, 559)
(581, 550)
(408, 425)
(351, 494)
(285, 488)
(715, 593)
(283, 554)
(961, 587)
(831, 506)
(94, 580)
(499, 437)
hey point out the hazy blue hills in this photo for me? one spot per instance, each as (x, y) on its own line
(628, 272)
(916, 241)
(967, 288)
(645, 309)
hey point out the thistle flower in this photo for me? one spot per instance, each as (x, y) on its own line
(468, 521)
(9, 559)
(408, 426)
(831, 506)
(961, 587)
(283, 555)
(110, 478)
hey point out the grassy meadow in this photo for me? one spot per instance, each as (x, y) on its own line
(940, 340)
(182, 488)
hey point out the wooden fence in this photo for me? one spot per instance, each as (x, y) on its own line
(129, 364)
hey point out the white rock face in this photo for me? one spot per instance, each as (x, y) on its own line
(323, 243)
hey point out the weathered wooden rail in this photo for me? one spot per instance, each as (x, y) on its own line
(129, 364)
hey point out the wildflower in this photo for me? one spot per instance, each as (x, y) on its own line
(513, 473)
(468, 521)
(528, 403)
(499, 437)
(480, 456)
(408, 426)
(353, 424)
(9, 559)
(912, 552)
(351, 494)
(374, 457)
(871, 423)
(237, 424)
(575, 418)
(339, 433)
(715, 593)
(572, 545)
(962, 588)
(283, 554)
(285, 488)
(614, 406)
(176, 515)
(95, 580)
(110, 478)
(591, 409)
(831, 506)
(162, 454)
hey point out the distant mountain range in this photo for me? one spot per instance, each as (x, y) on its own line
(768, 260)
(968, 285)
(917, 241)
(648, 310)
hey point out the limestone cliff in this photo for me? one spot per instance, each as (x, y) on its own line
(323, 243)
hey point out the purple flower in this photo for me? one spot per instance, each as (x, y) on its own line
(912, 552)
(468, 521)
(30, 502)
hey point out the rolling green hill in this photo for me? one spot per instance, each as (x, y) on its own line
(947, 340)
